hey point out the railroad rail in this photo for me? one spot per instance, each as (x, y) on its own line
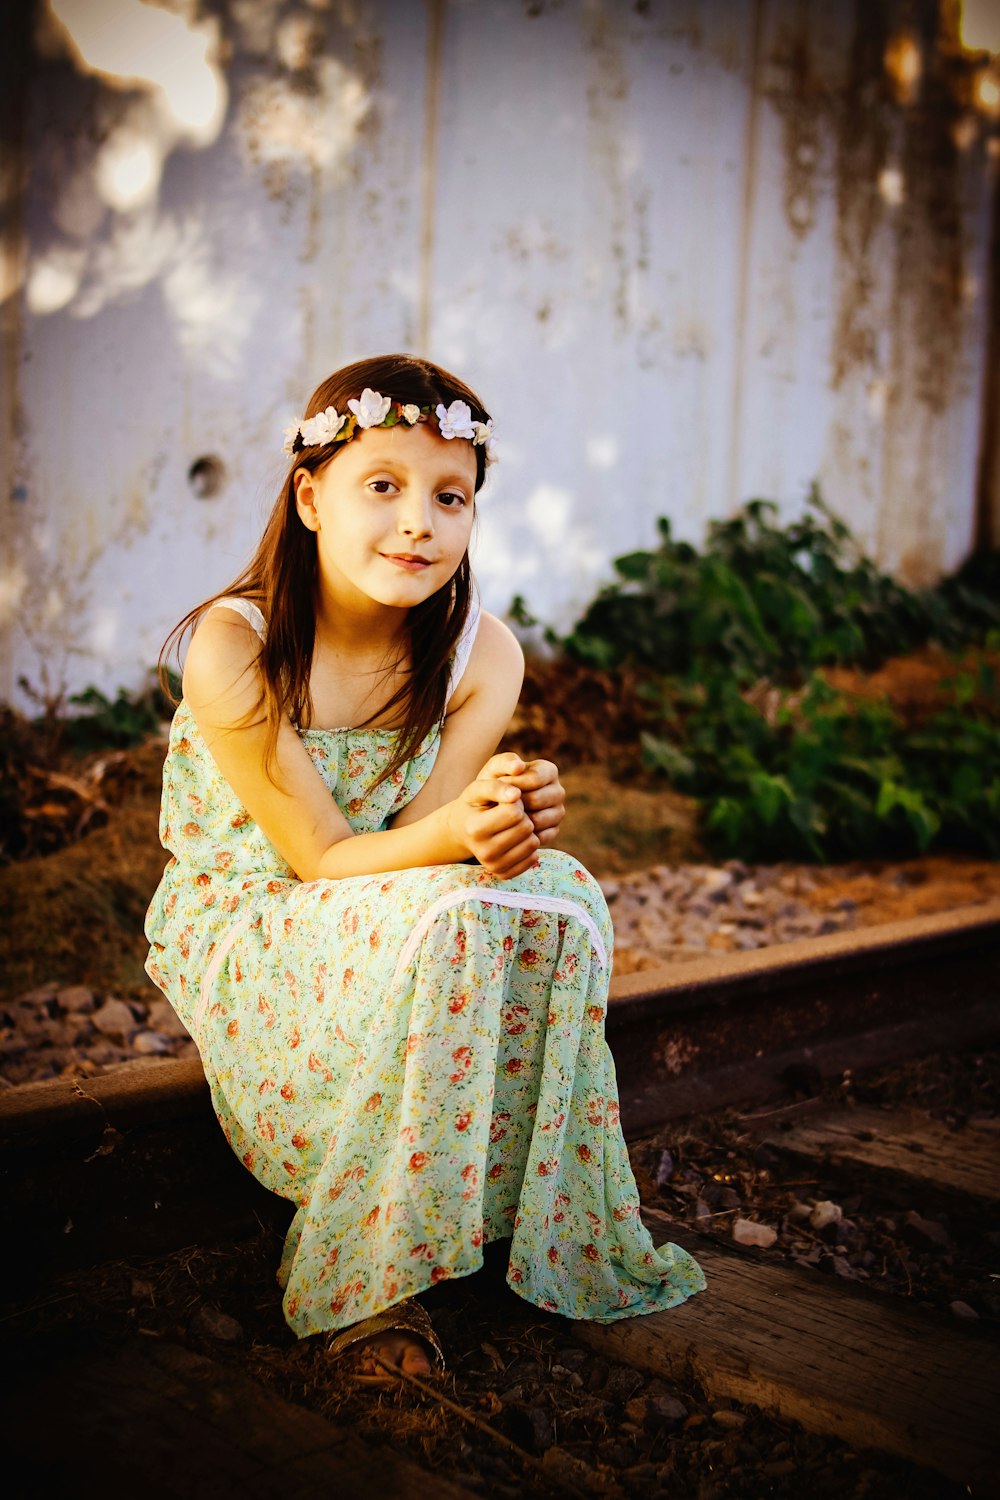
(133, 1163)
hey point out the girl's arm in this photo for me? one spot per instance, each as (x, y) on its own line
(479, 713)
(484, 819)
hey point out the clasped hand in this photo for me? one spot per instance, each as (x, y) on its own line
(511, 809)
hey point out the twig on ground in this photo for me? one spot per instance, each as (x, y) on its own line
(474, 1421)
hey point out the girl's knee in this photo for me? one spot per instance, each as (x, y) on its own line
(569, 872)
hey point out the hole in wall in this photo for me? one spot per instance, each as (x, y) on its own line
(207, 476)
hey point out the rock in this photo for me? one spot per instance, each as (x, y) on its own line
(162, 1017)
(825, 1213)
(571, 1356)
(41, 995)
(719, 1195)
(635, 1410)
(665, 1411)
(75, 998)
(219, 1324)
(105, 1053)
(716, 883)
(665, 1170)
(542, 1431)
(151, 1043)
(726, 1418)
(748, 1232)
(114, 1019)
(923, 1233)
(30, 1022)
(963, 1310)
(573, 1473)
(622, 1382)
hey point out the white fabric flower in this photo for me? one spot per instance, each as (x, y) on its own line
(291, 433)
(484, 436)
(411, 414)
(456, 421)
(323, 427)
(372, 409)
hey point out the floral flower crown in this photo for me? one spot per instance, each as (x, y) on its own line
(375, 410)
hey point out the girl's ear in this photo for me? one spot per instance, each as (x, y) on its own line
(305, 498)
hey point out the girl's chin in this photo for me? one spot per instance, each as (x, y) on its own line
(406, 590)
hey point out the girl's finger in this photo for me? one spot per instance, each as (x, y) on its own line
(514, 863)
(507, 764)
(508, 839)
(487, 822)
(487, 792)
(542, 801)
(546, 816)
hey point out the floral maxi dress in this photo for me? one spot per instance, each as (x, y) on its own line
(416, 1059)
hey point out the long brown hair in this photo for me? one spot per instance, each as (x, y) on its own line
(281, 577)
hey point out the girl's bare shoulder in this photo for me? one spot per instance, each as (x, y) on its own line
(220, 669)
(496, 661)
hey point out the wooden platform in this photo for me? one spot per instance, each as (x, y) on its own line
(834, 1356)
(149, 1419)
(904, 1142)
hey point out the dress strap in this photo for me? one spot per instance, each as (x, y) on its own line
(249, 611)
(464, 645)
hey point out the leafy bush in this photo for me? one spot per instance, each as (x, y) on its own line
(827, 777)
(730, 643)
(104, 723)
(762, 601)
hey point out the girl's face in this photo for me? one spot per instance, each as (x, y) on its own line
(392, 515)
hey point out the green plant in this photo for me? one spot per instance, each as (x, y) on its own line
(827, 778)
(729, 644)
(767, 601)
(117, 722)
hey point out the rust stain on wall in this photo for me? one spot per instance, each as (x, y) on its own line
(801, 96)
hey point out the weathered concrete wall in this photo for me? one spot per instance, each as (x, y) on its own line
(690, 252)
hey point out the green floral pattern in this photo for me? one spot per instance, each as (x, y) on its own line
(417, 1060)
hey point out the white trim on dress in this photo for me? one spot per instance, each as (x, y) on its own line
(525, 900)
(215, 964)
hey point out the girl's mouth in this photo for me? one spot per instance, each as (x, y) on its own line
(407, 560)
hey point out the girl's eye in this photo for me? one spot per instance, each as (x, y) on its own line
(452, 499)
(382, 486)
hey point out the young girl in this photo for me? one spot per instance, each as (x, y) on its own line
(396, 987)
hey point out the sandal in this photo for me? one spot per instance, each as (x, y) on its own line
(404, 1317)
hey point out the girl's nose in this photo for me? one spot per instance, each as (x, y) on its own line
(415, 519)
